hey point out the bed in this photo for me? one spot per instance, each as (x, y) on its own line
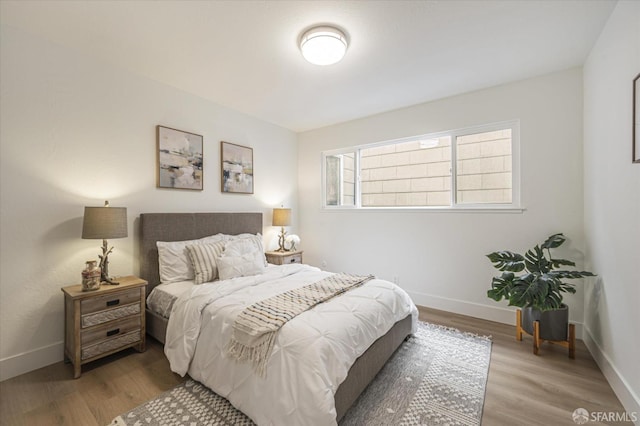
(156, 227)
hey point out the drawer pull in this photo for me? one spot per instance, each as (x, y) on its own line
(293, 260)
(113, 302)
(113, 332)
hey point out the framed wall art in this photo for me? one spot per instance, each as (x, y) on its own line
(179, 159)
(237, 168)
(636, 119)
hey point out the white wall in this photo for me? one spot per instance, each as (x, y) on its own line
(612, 204)
(74, 132)
(438, 257)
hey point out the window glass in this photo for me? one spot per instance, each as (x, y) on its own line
(483, 172)
(412, 173)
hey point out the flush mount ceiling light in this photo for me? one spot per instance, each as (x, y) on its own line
(323, 45)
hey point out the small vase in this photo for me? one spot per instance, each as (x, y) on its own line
(91, 276)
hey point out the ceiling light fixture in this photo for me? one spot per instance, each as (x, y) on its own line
(323, 45)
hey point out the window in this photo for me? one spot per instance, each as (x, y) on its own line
(468, 168)
(340, 183)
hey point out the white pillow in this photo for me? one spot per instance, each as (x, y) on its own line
(173, 259)
(239, 245)
(203, 258)
(240, 266)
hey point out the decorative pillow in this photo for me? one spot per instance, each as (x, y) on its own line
(203, 258)
(240, 266)
(173, 259)
(239, 245)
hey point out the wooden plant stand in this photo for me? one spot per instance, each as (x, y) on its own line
(570, 343)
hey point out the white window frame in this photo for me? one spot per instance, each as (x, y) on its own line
(514, 206)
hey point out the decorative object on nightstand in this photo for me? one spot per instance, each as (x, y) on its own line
(91, 276)
(293, 240)
(282, 218)
(103, 223)
(284, 258)
(103, 322)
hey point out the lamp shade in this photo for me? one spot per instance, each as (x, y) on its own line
(281, 217)
(104, 223)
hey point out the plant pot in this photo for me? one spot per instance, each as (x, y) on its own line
(553, 324)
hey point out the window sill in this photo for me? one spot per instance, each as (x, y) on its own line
(493, 209)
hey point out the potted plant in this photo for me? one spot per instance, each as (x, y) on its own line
(539, 287)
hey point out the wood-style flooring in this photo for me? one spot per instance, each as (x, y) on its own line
(522, 389)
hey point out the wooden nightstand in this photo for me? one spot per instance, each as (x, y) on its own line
(101, 322)
(284, 257)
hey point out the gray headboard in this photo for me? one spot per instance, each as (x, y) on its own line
(186, 226)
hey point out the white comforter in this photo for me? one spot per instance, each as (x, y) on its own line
(312, 353)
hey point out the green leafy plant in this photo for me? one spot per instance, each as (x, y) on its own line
(541, 283)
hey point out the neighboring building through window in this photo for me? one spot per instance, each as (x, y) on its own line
(460, 169)
(412, 173)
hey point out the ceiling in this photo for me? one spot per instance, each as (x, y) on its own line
(244, 54)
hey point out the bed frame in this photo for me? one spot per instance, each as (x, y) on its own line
(189, 226)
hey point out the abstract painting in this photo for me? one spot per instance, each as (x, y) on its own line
(237, 168)
(179, 159)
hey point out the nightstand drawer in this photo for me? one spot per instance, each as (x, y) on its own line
(107, 315)
(109, 331)
(296, 258)
(110, 345)
(109, 301)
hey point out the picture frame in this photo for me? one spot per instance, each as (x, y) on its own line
(636, 119)
(236, 168)
(180, 159)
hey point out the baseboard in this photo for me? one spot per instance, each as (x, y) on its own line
(16, 365)
(630, 401)
(476, 310)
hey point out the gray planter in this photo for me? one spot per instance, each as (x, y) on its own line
(553, 324)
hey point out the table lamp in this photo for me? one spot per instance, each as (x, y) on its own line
(282, 218)
(103, 223)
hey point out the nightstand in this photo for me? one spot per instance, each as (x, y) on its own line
(101, 322)
(284, 257)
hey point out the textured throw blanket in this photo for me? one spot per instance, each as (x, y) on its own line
(254, 331)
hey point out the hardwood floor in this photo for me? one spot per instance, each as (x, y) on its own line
(522, 389)
(525, 389)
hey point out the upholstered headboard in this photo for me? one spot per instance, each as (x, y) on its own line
(186, 226)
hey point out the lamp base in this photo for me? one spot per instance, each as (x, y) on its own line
(109, 281)
(104, 265)
(281, 238)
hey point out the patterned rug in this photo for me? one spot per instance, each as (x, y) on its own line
(437, 377)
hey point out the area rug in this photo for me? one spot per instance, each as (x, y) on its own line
(437, 377)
